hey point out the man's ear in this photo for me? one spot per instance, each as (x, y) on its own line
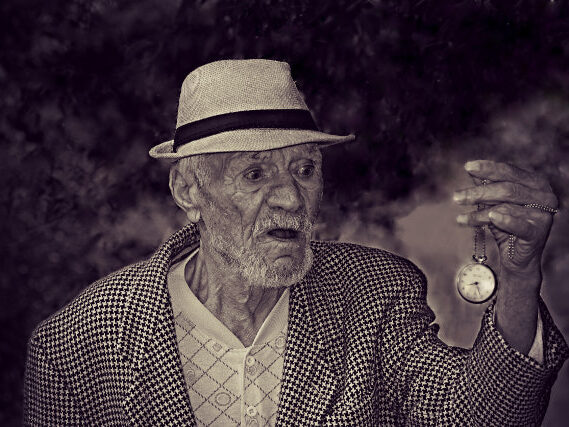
(184, 189)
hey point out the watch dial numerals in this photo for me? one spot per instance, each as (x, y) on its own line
(476, 283)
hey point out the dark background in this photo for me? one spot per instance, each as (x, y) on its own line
(88, 86)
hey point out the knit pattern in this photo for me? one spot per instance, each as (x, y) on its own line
(360, 350)
(221, 392)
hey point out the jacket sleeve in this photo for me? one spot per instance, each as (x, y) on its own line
(491, 384)
(47, 399)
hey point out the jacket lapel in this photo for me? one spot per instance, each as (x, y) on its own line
(156, 391)
(309, 375)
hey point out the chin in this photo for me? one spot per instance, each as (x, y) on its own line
(280, 273)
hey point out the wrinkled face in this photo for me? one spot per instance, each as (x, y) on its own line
(258, 210)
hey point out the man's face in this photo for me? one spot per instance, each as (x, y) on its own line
(258, 210)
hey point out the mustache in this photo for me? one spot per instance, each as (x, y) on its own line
(298, 222)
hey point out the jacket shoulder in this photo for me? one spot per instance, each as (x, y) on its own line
(357, 267)
(119, 307)
(92, 315)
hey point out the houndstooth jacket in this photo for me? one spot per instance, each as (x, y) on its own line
(361, 351)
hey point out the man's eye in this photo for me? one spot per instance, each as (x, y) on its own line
(254, 174)
(306, 171)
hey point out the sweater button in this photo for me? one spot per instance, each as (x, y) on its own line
(251, 411)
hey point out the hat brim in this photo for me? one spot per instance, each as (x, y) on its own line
(246, 140)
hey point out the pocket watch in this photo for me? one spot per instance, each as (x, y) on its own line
(476, 282)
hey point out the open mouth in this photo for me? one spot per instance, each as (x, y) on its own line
(283, 233)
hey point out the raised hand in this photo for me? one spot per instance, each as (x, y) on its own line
(518, 209)
(520, 230)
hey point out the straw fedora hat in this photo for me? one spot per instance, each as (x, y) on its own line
(241, 105)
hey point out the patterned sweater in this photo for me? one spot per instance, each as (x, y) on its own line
(360, 350)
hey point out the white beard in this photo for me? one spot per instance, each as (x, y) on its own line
(252, 267)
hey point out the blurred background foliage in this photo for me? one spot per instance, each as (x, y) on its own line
(88, 86)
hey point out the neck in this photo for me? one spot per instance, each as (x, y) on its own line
(237, 304)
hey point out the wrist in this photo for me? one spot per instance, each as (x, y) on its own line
(521, 283)
(527, 278)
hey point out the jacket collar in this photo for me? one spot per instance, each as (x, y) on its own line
(147, 341)
(148, 294)
(312, 357)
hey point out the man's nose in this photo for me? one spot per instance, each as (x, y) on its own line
(285, 194)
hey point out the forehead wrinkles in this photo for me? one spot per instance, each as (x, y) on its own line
(299, 150)
(248, 155)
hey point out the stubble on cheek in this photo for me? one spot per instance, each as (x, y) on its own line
(225, 225)
(246, 205)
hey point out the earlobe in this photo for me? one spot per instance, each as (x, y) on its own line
(193, 215)
(182, 193)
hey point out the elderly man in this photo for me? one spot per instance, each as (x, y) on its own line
(239, 319)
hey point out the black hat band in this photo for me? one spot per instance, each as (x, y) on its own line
(251, 119)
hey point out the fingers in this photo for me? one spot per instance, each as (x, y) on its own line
(495, 171)
(513, 219)
(505, 192)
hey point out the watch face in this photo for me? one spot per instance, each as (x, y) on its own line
(476, 283)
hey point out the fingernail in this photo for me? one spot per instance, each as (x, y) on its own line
(472, 166)
(458, 196)
(496, 216)
(462, 219)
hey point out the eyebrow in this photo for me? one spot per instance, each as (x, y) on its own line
(239, 157)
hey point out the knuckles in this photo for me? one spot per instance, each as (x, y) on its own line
(513, 191)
